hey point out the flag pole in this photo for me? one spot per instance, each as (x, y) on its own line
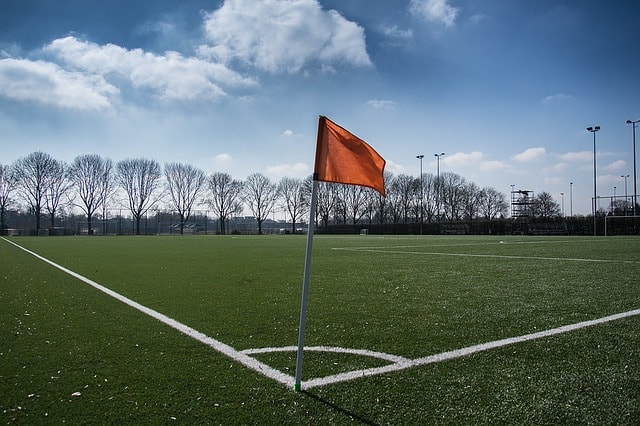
(305, 285)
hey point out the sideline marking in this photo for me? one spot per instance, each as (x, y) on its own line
(397, 362)
(223, 348)
(495, 256)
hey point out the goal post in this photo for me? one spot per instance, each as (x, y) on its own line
(621, 225)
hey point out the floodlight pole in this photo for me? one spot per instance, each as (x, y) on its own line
(420, 157)
(635, 179)
(570, 199)
(438, 186)
(594, 205)
(626, 195)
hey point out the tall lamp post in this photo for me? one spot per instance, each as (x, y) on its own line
(438, 186)
(626, 201)
(570, 199)
(562, 197)
(594, 207)
(420, 157)
(635, 180)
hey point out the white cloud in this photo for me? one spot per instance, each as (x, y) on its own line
(224, 158)
(615, 166)
(557, 98)
(553, 180)
(394, 167)
(559, 167)
(477, 18)
(296, 170)
(381, 104)
(462, 159)
(290, 133)
(395, 32)
(530, 154)
(577, 156)
(47, 83)
(438, 11)
(489, 166)
(171, 75)
(283, 36)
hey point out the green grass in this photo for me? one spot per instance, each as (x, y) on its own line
(407, 296)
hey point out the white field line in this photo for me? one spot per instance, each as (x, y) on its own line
(397, 362)
(445, 356)
(362, 352)
(495, 256)
(225, 349)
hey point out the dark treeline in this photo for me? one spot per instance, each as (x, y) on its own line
(51, 192)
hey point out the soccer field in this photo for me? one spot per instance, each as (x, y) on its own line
(400, 330)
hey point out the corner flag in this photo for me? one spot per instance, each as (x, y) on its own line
(341, 157)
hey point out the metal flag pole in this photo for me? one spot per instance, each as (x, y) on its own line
(305, 285)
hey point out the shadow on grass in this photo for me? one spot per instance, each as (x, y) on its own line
(335, 407)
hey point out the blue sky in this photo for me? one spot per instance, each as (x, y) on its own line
(505, 88)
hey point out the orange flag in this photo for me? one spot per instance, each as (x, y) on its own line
(342, 157)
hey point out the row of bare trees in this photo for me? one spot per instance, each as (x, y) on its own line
(93, 184)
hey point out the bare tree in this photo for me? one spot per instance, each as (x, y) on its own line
(185, 184)
(355, 199)
(452, 192)
(7, 186)
(326, 201)
(33, 174)
(260, 195)
(226, 197)
(107, 190)
(295, 195)
(492, 203)
(87, 176)
(56, 187)
(471, 200)
(405, 189)
(544, 206)
(140, 180)
(380, 204)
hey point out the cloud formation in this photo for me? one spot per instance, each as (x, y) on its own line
(283, 36)
(577, 156)
(557, 98)
(530, 154)
(435, 11)
(169, 76)
(296, 170)
(381, 104)
(223, 158)
(49, 84)
(615, 166)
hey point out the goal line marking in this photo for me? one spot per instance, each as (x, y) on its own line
(397, 363)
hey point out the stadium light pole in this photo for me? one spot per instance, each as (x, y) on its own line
(594, 206)
(635, 179)
(613, 201)
(420, 157)
(625, 193)
(570, 199)
(438, 186)
(562, 198)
